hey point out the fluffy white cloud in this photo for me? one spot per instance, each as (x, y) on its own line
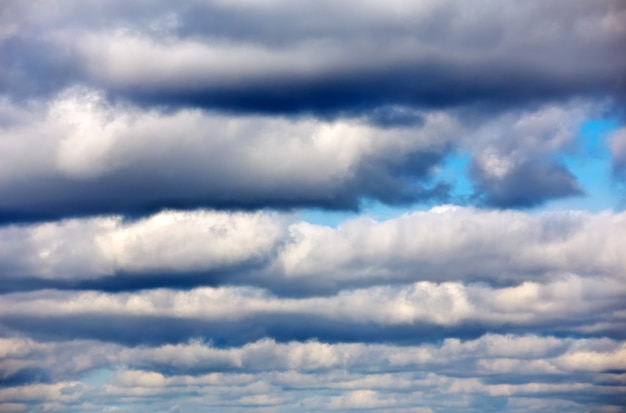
(170, 241)
(268, 373)
(293, 362)
(446, 243)
(446, 304)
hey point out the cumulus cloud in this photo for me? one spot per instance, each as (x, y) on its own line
(317, 56)
(377, 313)
(518, 165)
(81, 154)
(374, 375)
(526, 184)
(167, 242)
(276, 252)
(154, 161)
(514, 343)
(91, 157)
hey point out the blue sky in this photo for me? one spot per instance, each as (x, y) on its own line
(312, 206)
(592, 165)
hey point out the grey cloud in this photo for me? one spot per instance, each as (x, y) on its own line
(80, 154)
(516, 165)
(617, 144)
(233, 315)
(317, 56)
(525, 185)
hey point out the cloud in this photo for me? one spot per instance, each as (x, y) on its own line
(273, 251)
(231, 315)
(270, 373)
(526, 185)
(80, 154)
(154, 161)
(617, 144)
(516, 160)
(320, 57)
(120, 255)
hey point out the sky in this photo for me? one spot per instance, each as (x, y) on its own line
(313, 206)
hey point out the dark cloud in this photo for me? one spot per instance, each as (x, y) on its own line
(86, 156)
(121, 282)
(321, 57)
(25, 376)
(418, 85)
(134, 330)
(526, 185)
(393, 117)
(143, 194)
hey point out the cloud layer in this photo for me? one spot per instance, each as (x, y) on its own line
(160, 166)
(275, 252)
(80, 154)
(267, 373)
(320, 56)
(270, 311)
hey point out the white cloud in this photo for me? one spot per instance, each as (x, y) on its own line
(443, 244)
(171, 241)
(343, 375)
(445, 304)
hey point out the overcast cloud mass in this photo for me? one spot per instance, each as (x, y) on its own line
(311, 206)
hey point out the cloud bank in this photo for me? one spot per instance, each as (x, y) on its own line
(160, 165)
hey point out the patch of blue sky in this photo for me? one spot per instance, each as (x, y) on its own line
(97, 378)
(324, 217)
(455, 172)
(372, 209)
(590, 162)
